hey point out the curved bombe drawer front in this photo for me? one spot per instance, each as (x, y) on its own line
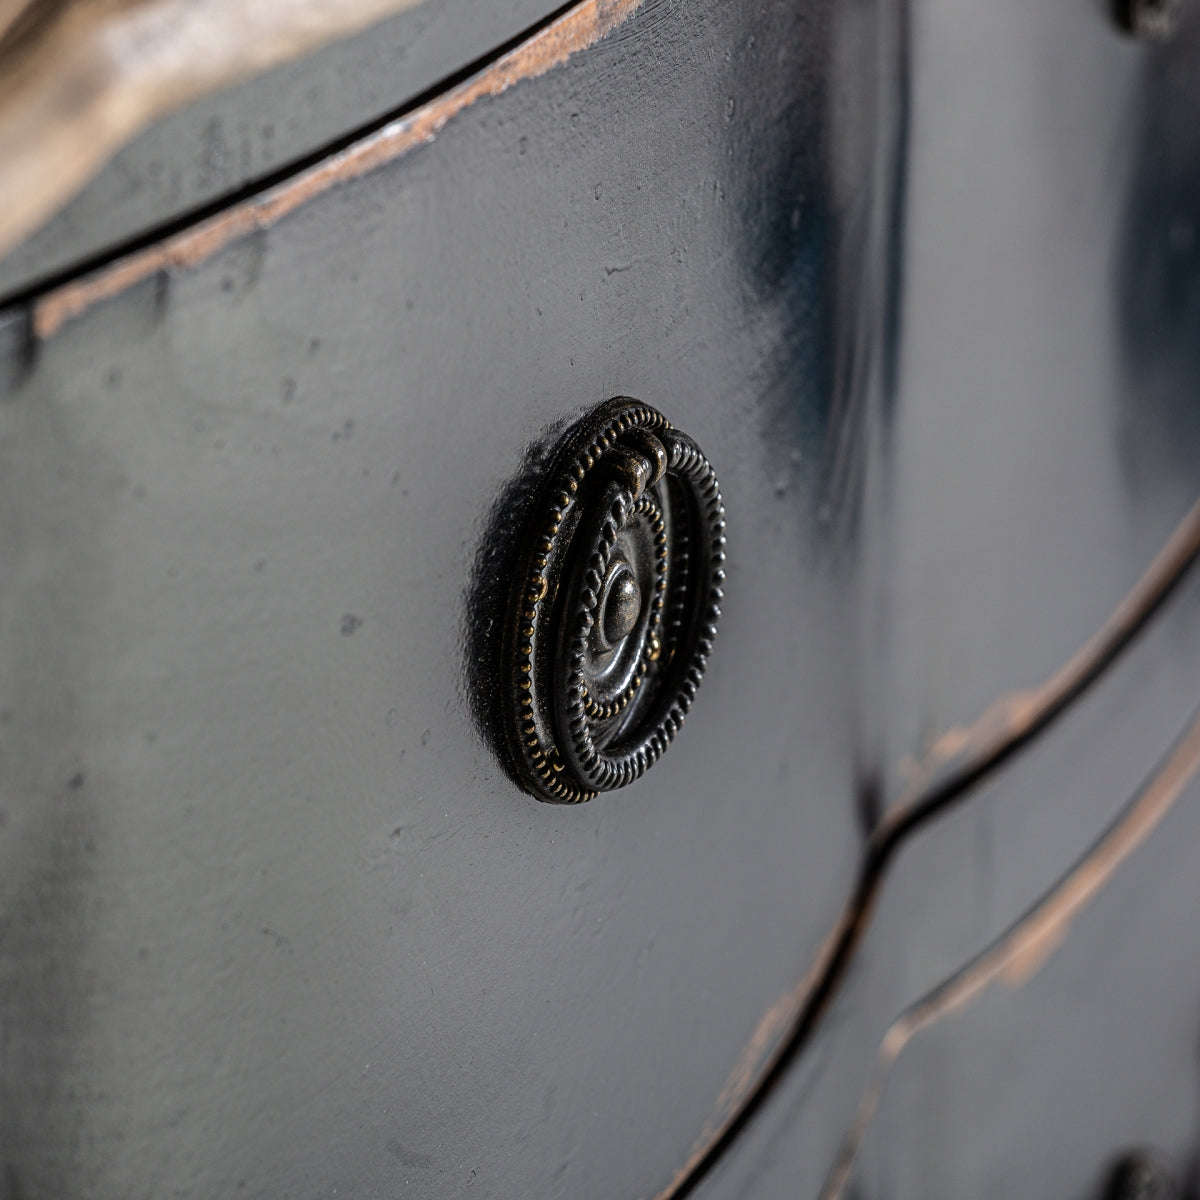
(1043, 451)
(280, 912)
(277, 918)
(964, 1050)
(1066, 1074)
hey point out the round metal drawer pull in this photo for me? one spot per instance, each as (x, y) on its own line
(614, 604)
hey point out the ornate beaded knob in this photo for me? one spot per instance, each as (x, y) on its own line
(614, 604)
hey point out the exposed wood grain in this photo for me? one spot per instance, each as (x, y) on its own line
(577, 29)
(78, 80)
(1016, 956)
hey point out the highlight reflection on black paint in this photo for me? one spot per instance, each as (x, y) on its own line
(820, 204)
(1157, 285)
(786, 245)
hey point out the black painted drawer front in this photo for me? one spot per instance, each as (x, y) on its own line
(279, 916)
(275, 918)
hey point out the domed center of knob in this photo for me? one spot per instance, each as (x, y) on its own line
(622, 604)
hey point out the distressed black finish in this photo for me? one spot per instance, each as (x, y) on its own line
(228, 143)
(613, 605)
(294, 923)
(1045, 427)
(275, 923)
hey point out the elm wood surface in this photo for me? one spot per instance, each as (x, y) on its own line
(956, 885)
(572, 32)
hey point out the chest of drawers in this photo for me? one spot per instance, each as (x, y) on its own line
(275, 919)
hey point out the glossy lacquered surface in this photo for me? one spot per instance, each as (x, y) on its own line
(277, 920)
(923, 285)
(1040, 449)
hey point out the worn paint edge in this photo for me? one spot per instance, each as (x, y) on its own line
(84, 78)
(1016, 956)
(958, 761)
(576, 30)
(1014, 715)
(761, 1057)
